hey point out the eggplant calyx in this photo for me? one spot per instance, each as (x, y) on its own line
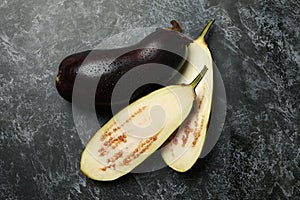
(201, 38)
(175, 27)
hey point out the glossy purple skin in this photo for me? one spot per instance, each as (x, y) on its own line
(163, 46)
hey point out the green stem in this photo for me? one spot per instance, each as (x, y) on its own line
(205, 30)
(197, 80)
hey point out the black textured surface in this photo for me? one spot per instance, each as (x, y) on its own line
(254, 43)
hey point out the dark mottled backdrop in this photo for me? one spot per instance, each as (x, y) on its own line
(255, 44)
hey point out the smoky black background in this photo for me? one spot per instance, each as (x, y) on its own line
(255, 45)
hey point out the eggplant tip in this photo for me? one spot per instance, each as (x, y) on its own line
(57, 79)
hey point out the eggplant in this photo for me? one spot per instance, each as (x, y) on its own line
(165, 46)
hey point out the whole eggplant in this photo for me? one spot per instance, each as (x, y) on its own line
(165, 46)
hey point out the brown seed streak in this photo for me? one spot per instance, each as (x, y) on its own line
(109, 141)
(113, 143)
(134, 115)
(197, 130)
(116, 141)
(108, 132)
(197, 134)
(139, 150)
(185, 137)
(102, 152)
(115, 157)
(187, 129)
(113, 166)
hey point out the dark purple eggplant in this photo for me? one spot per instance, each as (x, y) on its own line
(163, 47)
